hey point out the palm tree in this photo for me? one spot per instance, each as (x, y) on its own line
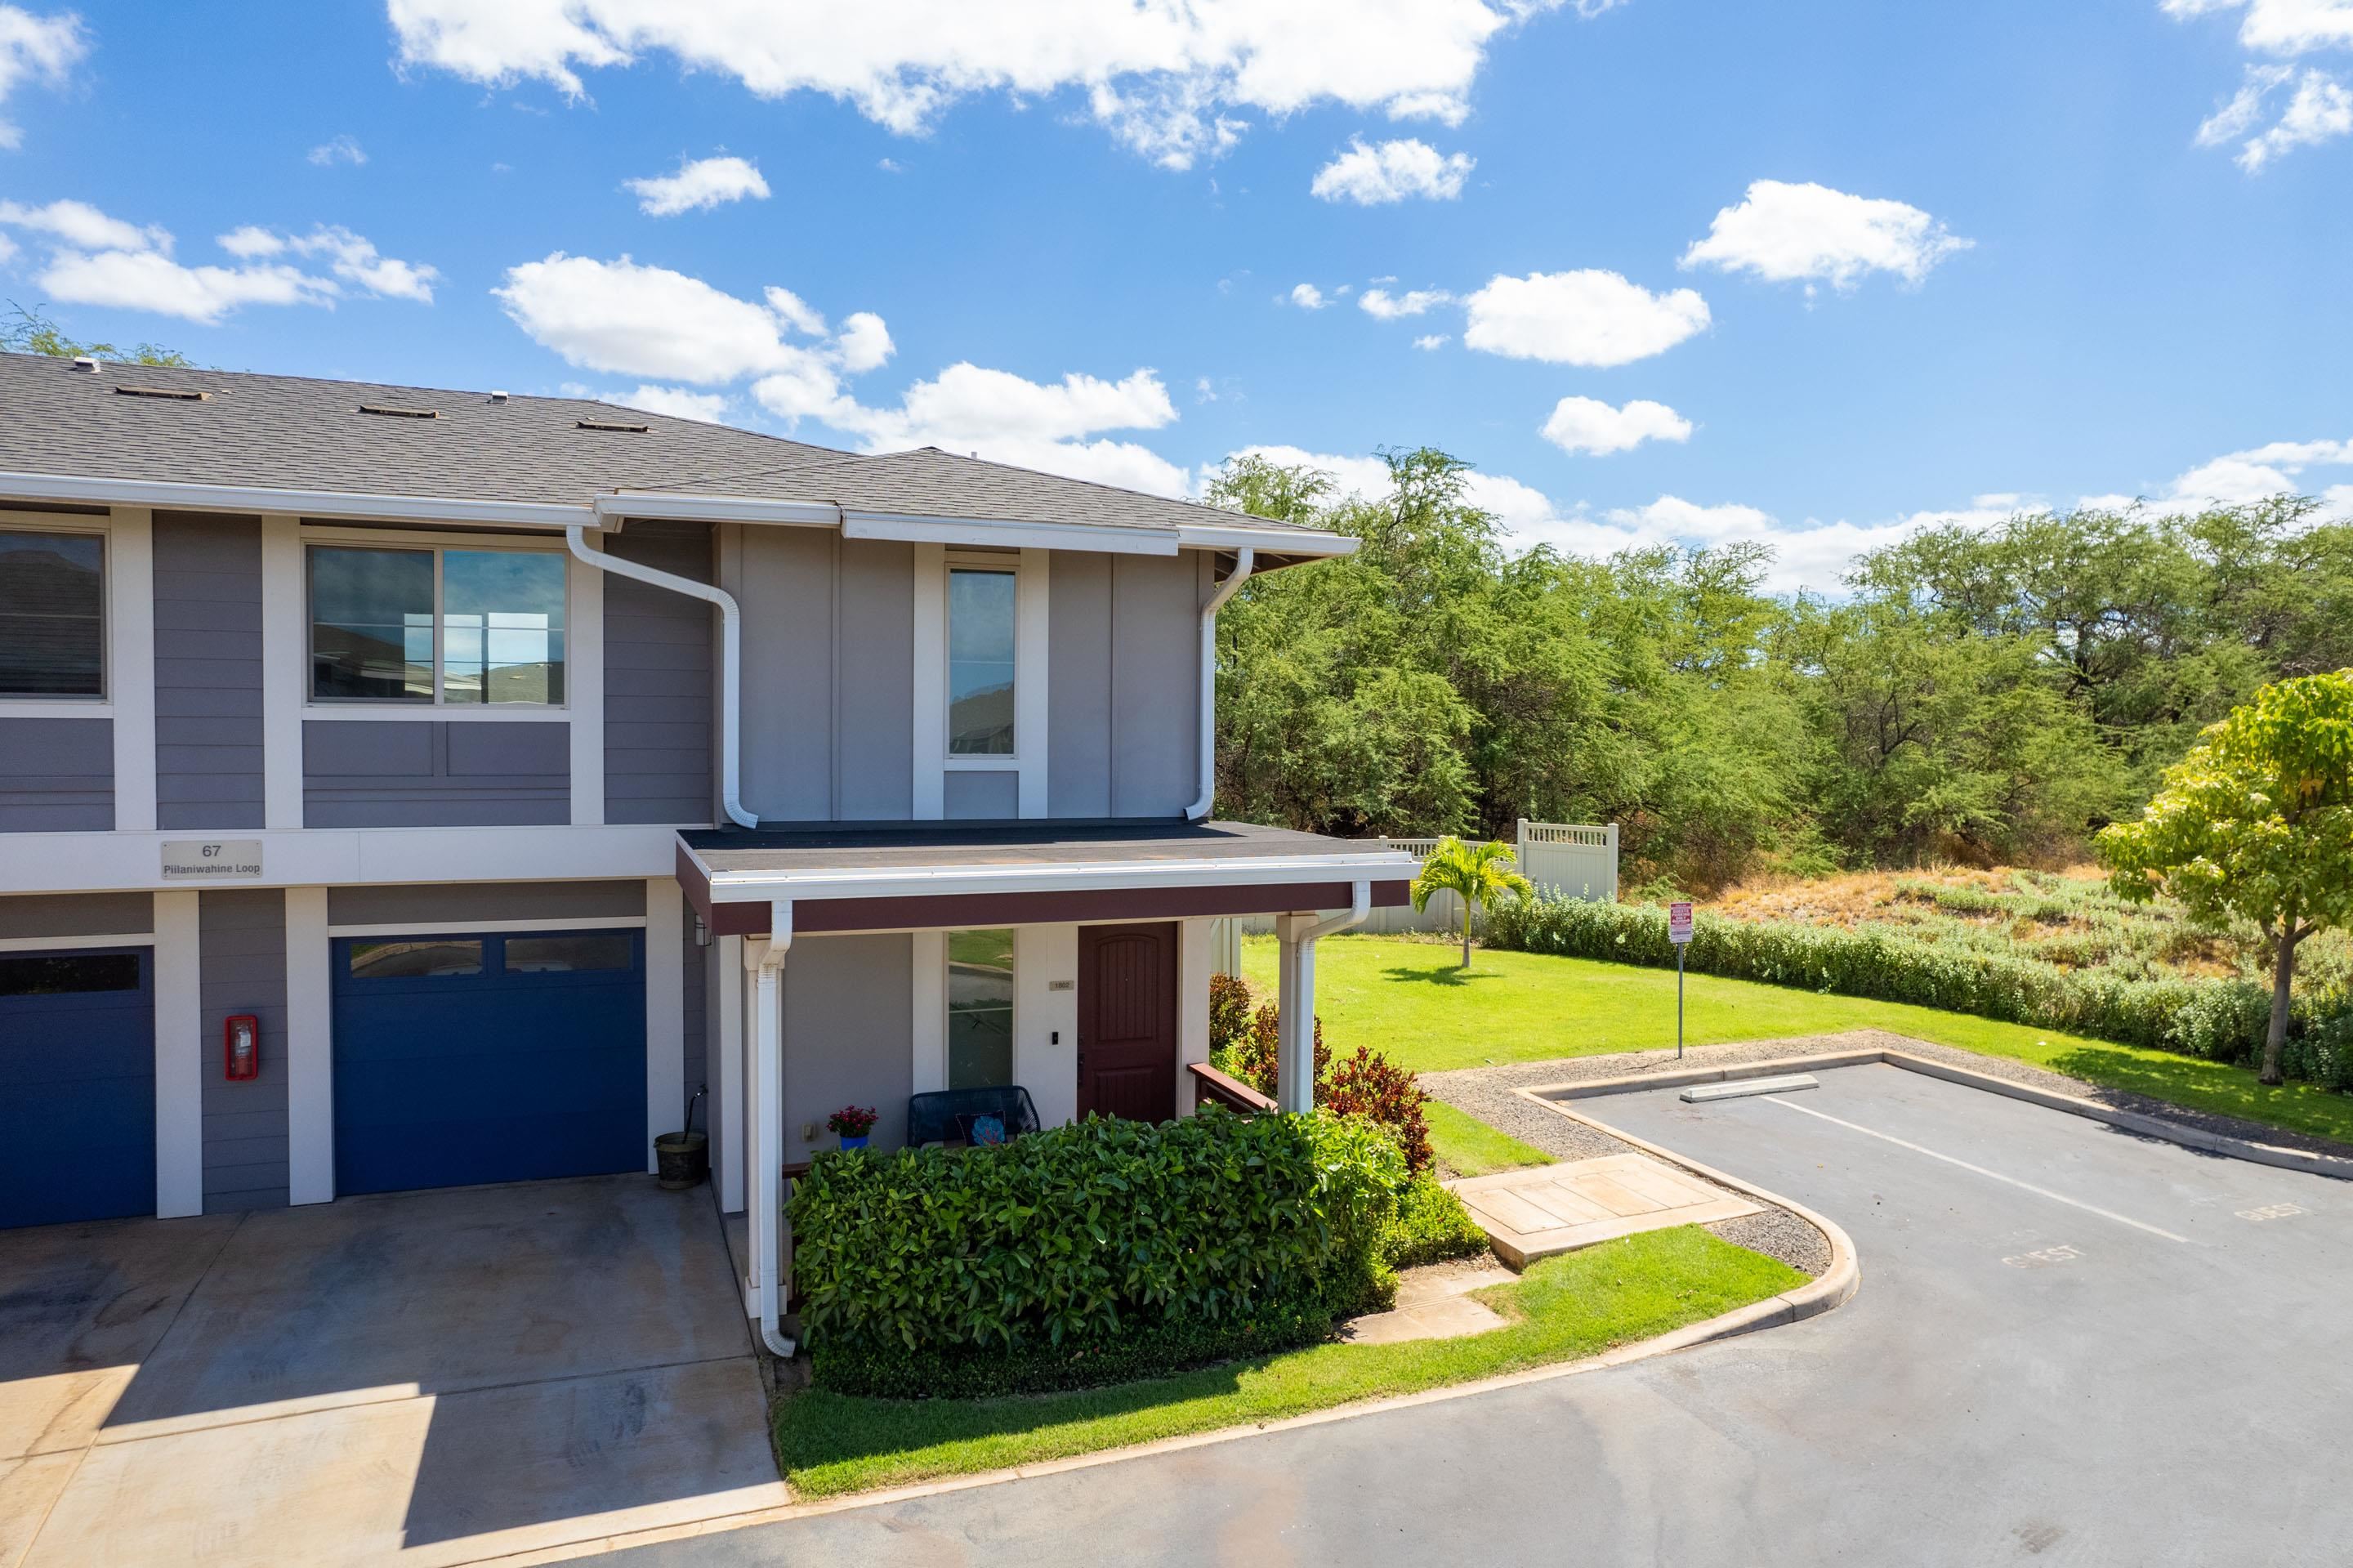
(1481, 875)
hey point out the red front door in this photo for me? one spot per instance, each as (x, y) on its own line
(1128, 1022)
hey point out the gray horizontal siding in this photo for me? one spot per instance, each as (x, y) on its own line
(241, 944)
(56, 775)
(208, 772)
(77, 915)
(658, 680)
(435, 774)
(460, 905)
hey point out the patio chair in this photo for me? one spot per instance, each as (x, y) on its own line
(949, 1115)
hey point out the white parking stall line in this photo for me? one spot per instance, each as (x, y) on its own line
(1979, 1170)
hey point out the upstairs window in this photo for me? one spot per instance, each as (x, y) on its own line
(52, 614)
(980, 662)
(457, 628)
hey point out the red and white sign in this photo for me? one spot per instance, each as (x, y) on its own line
(1679, 924)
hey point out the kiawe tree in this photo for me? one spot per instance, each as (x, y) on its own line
(2257, 823)
(1479, 873)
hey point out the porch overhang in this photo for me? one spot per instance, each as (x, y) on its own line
(925, 876)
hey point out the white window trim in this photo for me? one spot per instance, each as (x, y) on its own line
(1030, 569)
(24, 705)
(389, 710)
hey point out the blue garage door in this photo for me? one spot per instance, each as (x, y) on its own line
(506, 1057)
(78, 1058)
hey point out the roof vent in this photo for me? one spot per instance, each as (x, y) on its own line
(170, 394)
(498, 397)
(617, 425)
(392, 412)
(84, 362)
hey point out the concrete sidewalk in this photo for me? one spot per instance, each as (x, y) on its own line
(428, 1378)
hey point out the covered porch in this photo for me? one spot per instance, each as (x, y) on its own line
(863, 965)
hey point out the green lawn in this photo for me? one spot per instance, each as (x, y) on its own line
(1470, 1148)
(1410, 1000)
(1564, 1308)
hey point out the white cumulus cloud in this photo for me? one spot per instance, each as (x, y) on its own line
(1372, 175)
(628, 319)
(42, 48)
(337, 150)
(698, 183)
(678, 402)
(1382, 305)
(2253, 474)
(1590, 425)
(1591, 318)
(97, 260)
(1308, 296)
(2314, 105)
(1788, 233)
(1432, 340)
(1171, 79)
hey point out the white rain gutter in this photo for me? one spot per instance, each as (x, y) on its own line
(768, 1232)
(730, 660)
(301, 503)
(1243, 560)
(1296, 1050)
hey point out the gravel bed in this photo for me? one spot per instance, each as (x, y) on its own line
(1778, 1232)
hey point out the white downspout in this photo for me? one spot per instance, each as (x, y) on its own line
(1295, 1049)
(1243, 558)
(731, 659)
(767, 1234)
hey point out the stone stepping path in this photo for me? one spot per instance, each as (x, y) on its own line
(1549, 1208)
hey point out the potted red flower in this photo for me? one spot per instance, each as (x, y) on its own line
(852, 1124)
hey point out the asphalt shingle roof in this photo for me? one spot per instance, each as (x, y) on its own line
(297, 433)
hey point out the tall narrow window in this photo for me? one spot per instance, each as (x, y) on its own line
(52, 615)
(980, 1009)
(462, 627)
(980, 662)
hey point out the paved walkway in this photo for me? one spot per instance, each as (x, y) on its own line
(1549, 1208)
(1434, 1303)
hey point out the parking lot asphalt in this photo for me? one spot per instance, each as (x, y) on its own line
(2071, 1346)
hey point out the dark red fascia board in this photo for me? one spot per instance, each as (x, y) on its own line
(750, 917)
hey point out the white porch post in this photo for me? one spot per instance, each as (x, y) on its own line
(1294, 1058)
(1295, 1070)
(764, 1054)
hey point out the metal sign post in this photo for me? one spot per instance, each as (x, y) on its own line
(1679, 932)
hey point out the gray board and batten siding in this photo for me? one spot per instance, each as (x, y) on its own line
(428, 773)
(56, 775)
(242, 945)
(660, 697)
(208, 721)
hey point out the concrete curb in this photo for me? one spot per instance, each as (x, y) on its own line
(2137, 1122)
(1834, 1288)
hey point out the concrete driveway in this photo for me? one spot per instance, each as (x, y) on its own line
(2073, 1346)
(429, 1378)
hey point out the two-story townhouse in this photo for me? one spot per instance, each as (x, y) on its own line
(404, 788)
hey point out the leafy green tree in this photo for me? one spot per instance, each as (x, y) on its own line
(1478, 873)
(35, 332)
(2256, 821)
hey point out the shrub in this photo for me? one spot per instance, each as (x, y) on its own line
(2218, 1018)
(1086, 1250)
(1370, 1085)
(1366, 1083)
(1230, 1013)
(1431, 1225)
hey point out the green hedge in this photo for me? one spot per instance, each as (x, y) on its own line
(1430, 1226)
(1060, 1254)
(2223, 1020)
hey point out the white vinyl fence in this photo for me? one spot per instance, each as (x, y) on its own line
(1565, 860)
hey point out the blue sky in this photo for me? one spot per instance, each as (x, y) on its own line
(1808, 271)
